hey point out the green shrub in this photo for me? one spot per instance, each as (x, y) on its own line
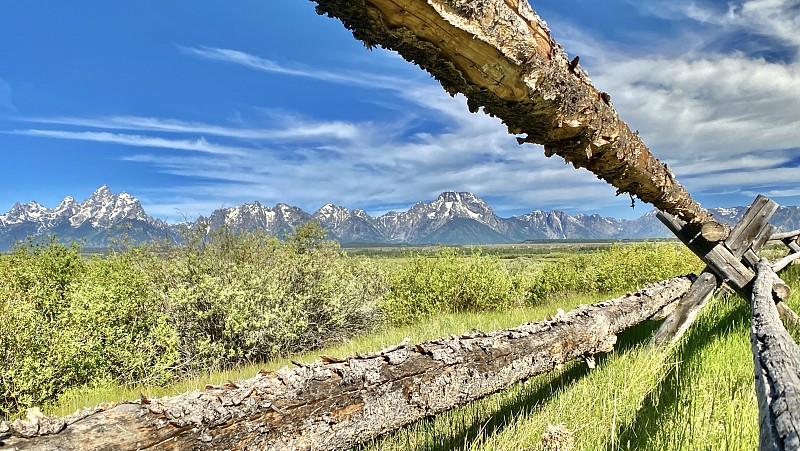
(152, 314)
(243, 297)
(615, 269)
(447, 282)
(70, 321)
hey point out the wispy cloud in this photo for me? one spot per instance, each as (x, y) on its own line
(777, 18)
(364, 80)
(198, 145)
(702, 103)
(725, 121)
(287, 129)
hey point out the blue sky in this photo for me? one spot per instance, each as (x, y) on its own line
(192, 106)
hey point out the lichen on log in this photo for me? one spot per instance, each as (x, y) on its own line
(337, 403)
(501, 56)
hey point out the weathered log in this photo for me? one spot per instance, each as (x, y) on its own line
(787, 315)
(753, 227)
(785, 235)
(335, 404)
(776, 359)
(715, 231)
(501, 56)
(687, 309)
(744, 241)
(779, 265)
(716, 255)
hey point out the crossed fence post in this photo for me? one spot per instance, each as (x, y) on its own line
(776, 357)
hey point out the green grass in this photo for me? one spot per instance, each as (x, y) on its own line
(696, 395)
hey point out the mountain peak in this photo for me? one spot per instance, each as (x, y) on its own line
(454, 196)
(102, 191)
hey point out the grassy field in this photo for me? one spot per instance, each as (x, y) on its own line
(698, 394)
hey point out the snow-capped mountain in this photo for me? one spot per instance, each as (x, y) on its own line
(462, 218)
(278, 220)
(452, 218)
(356, 225)
(554, 225)
(95, 221)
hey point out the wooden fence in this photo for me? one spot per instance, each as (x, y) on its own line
(500, 55)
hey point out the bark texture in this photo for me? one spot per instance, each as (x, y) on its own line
(335, 404)
(500, 55)
(776, 359)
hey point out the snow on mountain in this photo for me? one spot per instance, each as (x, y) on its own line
(95, 221)
(452, 218)
(104, 209)
(441, 219)
(349, 226)
(281, 219)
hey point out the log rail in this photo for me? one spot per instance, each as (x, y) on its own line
(776, 359)
(336, 404)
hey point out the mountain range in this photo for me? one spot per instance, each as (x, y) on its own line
(452, 218)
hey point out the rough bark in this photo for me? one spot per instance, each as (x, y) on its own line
(500, 55)
(776, 359)
(335, 404)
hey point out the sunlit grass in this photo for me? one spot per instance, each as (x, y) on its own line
(696, 395)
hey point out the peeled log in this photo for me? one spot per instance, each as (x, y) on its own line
(777, 369)
(335, 404)
(500, 55)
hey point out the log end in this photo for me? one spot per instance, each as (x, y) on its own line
(781, 291)
(714, 231)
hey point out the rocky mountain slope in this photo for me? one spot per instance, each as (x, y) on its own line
(452, 218)
(95, 222)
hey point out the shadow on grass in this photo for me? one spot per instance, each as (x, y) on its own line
(464, 429)
(664, 397)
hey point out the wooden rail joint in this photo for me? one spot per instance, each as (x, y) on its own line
(731, 256)
(732, 260)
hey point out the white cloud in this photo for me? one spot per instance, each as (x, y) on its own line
(726, 122)
(198, 145)
(375, 167)
(717, 111)
(364, 80)
(776, 18)
(288, 128)
(731, 105)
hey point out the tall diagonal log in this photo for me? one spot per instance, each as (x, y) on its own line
(500, 55)
(677, 323)
(776, 360)
(338, 403)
